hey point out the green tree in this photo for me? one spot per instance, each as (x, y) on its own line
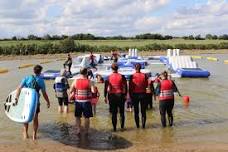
(67, 45)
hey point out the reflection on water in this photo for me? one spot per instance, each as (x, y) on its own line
(96, 140)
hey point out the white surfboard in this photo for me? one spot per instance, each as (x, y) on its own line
(24, 110)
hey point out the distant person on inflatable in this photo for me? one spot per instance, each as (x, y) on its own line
(37, 83)
(92, 59)
(166, 98)
(116, 92)
(68, 63)
(138, 84)
(61, 86)
(115, 56)
(81, 91)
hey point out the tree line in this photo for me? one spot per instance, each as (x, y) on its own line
(69, 45)
(89, 36)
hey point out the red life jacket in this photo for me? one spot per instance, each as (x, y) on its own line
(166, 90)
(157, 80)
(139, 83)
(83, 90)
(116, 83)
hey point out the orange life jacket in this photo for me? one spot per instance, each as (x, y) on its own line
(166, 92)
(139, 83)
(83, 90)
(116, 83)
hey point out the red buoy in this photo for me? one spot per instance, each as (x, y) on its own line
(186, 99)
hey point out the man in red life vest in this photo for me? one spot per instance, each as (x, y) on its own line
(137, 88)
(166, 98)
(116, 90)
(82, 89)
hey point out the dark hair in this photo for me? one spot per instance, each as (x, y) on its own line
(84, 71)
(165, 74)
(37, 69)
(114, 67)
(138, 66)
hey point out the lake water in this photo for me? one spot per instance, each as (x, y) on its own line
(201, 126)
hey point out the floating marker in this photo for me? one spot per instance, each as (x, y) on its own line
(212, 59)
(25, 66)
(225, 61)
(3, 70)
(186, 100)
(45, 62)
(197, 57)
(60, 59)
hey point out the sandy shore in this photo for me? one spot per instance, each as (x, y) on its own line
(142, 53)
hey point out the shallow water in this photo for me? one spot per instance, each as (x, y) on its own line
(205, 121)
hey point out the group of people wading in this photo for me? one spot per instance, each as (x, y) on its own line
(116, 91)
(139, 89)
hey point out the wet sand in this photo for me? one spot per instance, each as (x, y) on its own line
(41, 146)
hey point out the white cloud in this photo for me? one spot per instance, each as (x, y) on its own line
(110, 17)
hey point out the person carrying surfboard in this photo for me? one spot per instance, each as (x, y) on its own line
(37, 83)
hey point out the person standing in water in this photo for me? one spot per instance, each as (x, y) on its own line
(95, 99)
(61, 86)
(149, 94)
(137, 88)
(166, 98)
(37, 83)
(116, 91)
(82, 89)
(68, 63)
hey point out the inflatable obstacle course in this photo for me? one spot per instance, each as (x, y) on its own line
(183, 65)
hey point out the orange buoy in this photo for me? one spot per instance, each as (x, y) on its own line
(186, 99)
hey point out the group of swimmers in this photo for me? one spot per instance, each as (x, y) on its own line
(117, 90)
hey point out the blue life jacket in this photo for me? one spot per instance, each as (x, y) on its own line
(60, 85)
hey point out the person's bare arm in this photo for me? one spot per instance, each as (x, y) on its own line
(18, 91)
(44, 93)
(106, 90)
(72, 89)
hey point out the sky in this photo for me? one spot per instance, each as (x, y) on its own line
(112, 17)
